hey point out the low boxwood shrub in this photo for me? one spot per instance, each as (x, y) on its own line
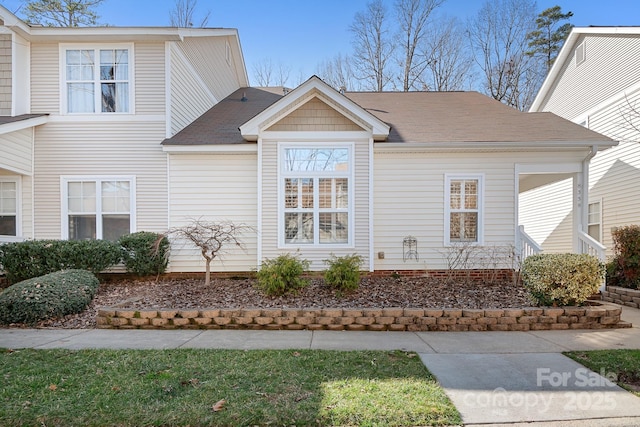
(52, 295)
(562, 279)
(624, 268)
(145, 253)
(34, 258)
(282, 274)
(343, 272)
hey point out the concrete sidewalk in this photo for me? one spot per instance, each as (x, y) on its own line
(493, 378)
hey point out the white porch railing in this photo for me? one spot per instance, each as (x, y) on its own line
(589, 245)
(528, 246)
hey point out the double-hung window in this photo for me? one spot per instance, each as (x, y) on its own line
(97, 80)
(98, 208)
(463, 209)
(594, 226)
(8, 207)
(316, 195)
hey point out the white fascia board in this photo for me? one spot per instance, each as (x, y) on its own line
(566, 53)
(473, 146)
(23, 124)
(211, 148)
(271, 114)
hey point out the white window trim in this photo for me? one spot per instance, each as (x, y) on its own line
(448, 177)
(95, 46)
(591, 202)
(64, 191)
(282, 174)
(18, 182)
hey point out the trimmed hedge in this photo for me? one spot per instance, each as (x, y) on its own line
(145, 253)
(343, 272)
(562, 279)
(52, 295)
(34, 258)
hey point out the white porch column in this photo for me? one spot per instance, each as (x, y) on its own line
(579, 209)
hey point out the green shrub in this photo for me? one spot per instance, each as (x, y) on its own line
(145, 253)
(562, 279)
(624, 269)
(343, 272)
(52, 295)
(34, 258)
(282, 274)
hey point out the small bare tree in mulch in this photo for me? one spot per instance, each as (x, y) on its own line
(213, 238)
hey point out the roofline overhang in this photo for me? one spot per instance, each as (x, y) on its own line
(496, 145)
(23, 124)
(251, 129)
(244, 148)
(566, 53)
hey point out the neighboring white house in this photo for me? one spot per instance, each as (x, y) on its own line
(595, 82)
(106, 131)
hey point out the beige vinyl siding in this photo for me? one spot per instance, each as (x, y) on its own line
(5, 74)
(581, 87)
(409, 201)
(214, 187)
(45, 80)
(100, 148)
(207, 56)
(17, 148)
(189, 99)
(316, 254)
(547, 216)
(149, 78)
(317, 116)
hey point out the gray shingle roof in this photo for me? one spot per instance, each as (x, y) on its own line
(12, 119)
(425, 117)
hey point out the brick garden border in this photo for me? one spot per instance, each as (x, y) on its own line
(622, 296)
(595, 315)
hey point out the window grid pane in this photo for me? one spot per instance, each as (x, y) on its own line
(298, 227)
(8, 198)
(464, 205)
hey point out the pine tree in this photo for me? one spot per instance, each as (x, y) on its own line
(546, 41)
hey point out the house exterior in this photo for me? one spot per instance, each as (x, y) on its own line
(595, 82)
(107, 131)
(83, 113)
(406, 180)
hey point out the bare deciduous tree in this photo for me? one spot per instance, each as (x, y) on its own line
(338, 73)
(266, 73)
(413, 17)
(447, 57)
(62, 13)
(498, 35)
(212, 238)
(372, 45)
(183, 12)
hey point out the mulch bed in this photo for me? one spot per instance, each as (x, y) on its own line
(419, 292)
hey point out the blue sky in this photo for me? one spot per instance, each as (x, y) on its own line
(302, 33)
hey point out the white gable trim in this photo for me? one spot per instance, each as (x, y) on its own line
(314, 87)
(23, 124)
(566, 53)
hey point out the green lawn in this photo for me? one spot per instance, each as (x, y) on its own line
(181, 387)
(623, 364)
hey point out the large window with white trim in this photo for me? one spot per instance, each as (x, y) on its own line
(100, 208)
(8, 207)
(315, 190)
(97, 80)
(463, 209)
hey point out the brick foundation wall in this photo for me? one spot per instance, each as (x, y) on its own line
(595, 316)
(622, 296)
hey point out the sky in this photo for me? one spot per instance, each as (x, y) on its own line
(300, 34)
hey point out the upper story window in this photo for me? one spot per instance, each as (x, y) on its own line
(97, 80)
(463, 209)
(316, 187)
